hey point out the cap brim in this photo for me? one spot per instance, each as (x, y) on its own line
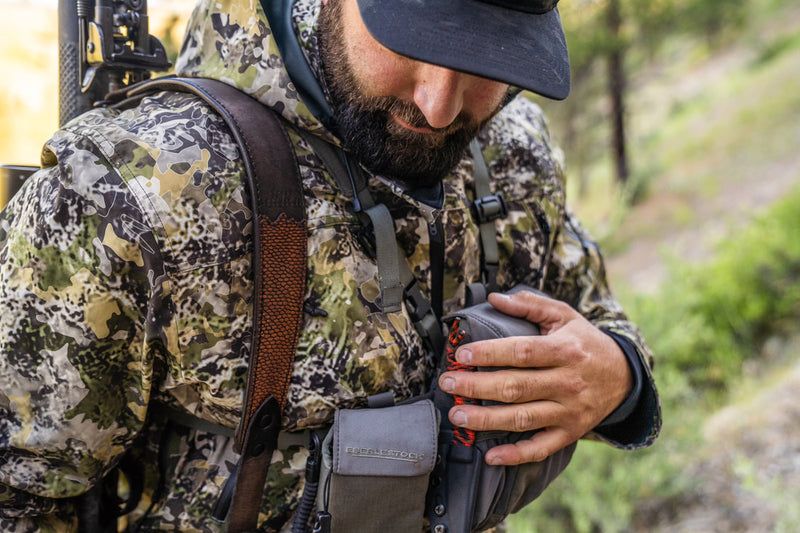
(521, 49)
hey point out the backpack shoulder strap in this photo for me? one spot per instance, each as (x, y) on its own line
(279, 266)
(396, 280)
(486, 208)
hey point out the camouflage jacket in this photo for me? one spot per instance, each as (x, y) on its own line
(126, 281)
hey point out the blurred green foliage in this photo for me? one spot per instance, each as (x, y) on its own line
(709, 318)
(583, 121)
(702, 119)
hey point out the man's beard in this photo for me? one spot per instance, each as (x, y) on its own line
(365, 125)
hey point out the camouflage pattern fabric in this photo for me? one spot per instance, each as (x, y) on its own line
(125, 281)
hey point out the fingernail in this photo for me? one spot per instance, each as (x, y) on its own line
(493, 460)
(459, 418)
(464, 356)
(448, 384)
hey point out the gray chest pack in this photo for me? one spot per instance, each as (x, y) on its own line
(387, 467)
(384, 469)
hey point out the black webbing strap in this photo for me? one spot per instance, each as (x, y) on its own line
(396, 280)
(279, 267)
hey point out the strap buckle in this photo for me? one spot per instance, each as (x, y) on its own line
(489, 208)
(423, 318)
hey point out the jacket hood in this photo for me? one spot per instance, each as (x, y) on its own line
(233, 41)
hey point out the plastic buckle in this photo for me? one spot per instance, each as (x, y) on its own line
(489, 208)
(417, 305)
(423, 318)
(489, 277)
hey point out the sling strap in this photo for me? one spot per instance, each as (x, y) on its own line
(280, 259)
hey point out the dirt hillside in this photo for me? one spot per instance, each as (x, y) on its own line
(747, 477)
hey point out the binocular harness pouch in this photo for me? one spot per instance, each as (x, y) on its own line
(376, 465)
(466, 494)
(384, 469)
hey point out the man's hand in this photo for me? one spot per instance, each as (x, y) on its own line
(564, 382)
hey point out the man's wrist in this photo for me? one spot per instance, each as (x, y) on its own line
(626, 408)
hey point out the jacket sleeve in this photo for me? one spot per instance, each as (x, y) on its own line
(78, 274)
(576, 274)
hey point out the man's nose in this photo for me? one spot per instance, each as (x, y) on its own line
(439, 94)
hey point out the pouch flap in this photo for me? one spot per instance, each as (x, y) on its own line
(483, 321)
(397, 441)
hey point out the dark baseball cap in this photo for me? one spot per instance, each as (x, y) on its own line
(519, 42)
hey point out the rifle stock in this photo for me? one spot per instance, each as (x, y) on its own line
(103, 46)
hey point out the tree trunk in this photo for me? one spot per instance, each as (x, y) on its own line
(616, 89)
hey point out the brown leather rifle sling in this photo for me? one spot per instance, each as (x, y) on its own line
(279, 266)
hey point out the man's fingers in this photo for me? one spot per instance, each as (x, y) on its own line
(548, 313)
(506, 386)
(517, 418)
(519, 352)
(538, 448)
(526, 352)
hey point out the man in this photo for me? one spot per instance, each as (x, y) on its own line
(126, 262)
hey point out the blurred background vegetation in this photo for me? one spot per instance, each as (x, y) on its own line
(682, 143)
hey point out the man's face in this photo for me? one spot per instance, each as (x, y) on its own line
(404, 119)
